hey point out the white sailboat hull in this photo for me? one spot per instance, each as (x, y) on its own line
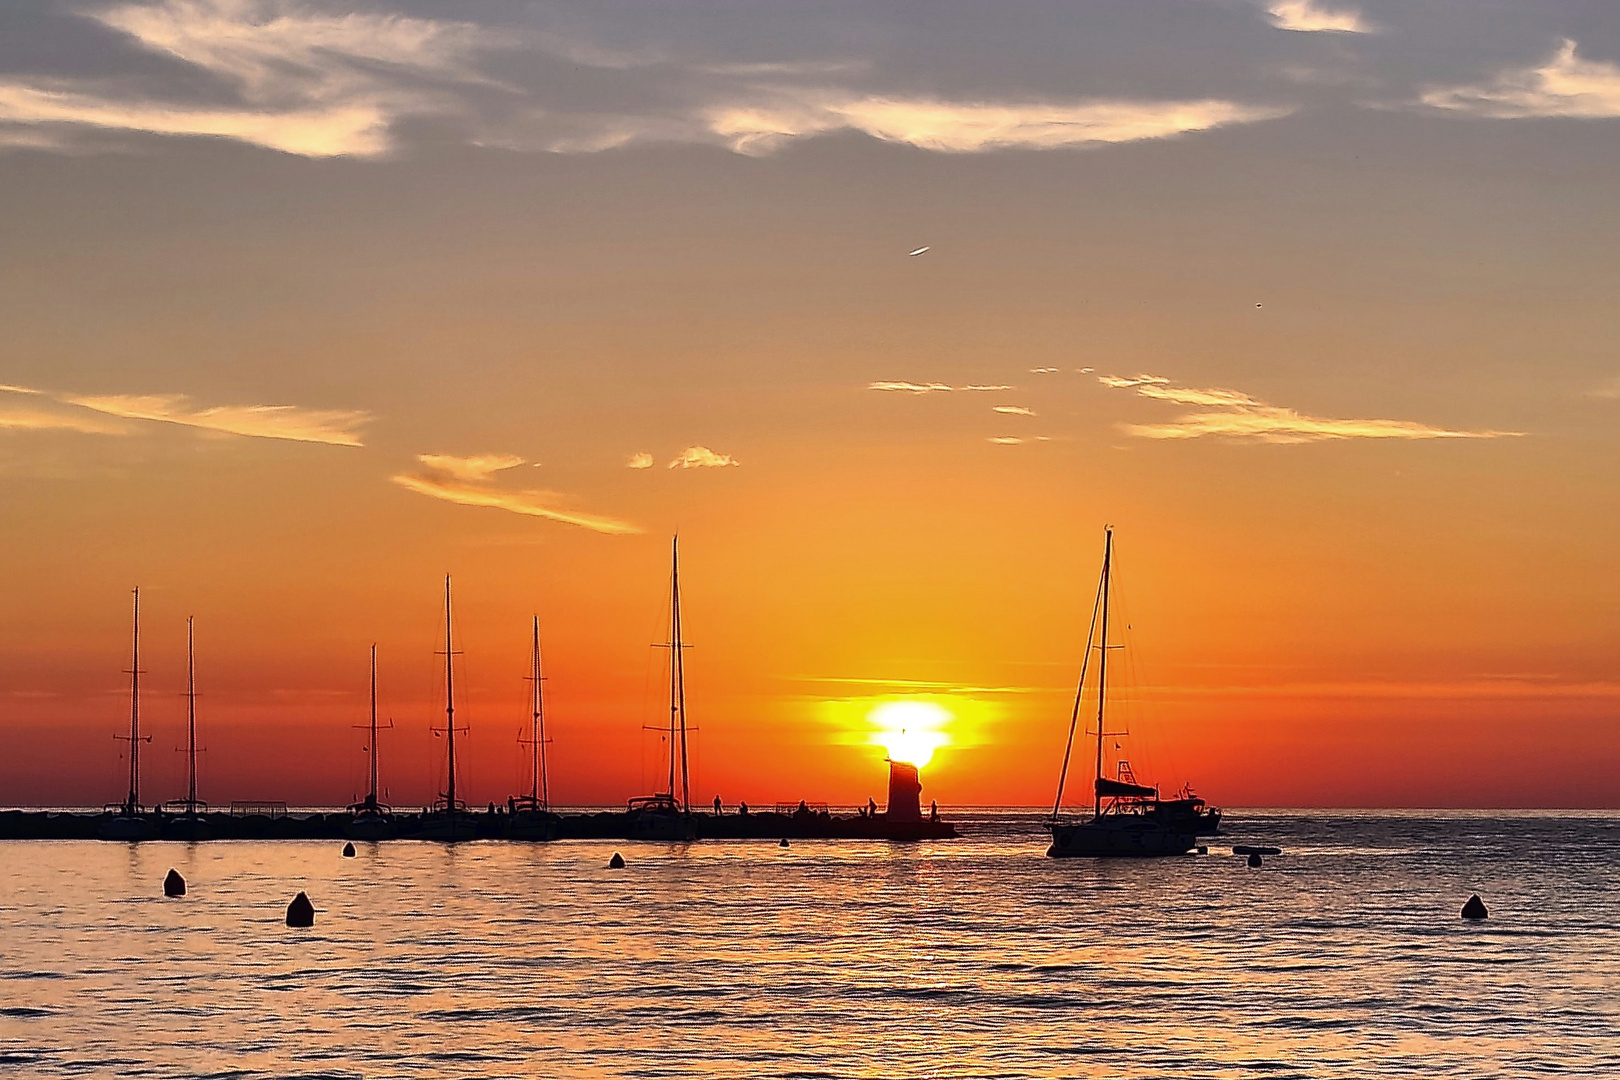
(1118, 836)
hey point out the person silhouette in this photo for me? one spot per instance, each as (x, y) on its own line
(717, 806)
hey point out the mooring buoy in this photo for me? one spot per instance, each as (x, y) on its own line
(784, 842)
(1254, 860)
(617, 862)
(174, 884)
(1475, 908)
(348, 851)
(300, 912)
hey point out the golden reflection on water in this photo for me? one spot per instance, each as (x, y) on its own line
(970, 958)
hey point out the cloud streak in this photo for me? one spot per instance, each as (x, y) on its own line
(643, 460)
(334, 427)
(298, 80)
(966, 127)
(1308, 16)
(1234, 414)
(935, 387)
(1564, 86)
(465, 482)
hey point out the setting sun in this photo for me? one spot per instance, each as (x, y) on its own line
(910, 730)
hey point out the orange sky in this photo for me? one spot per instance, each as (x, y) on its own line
(1320, 319)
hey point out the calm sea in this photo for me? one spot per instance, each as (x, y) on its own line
(1344, 957)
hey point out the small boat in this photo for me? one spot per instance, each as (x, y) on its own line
(370, 819)
(127, 820)
(529, 817)
(1125, 819)
(448, 819)
(663, 816)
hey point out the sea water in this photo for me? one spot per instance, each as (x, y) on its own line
(978, 957)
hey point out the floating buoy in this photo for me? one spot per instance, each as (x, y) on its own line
(300, 912)
(784, 842)
(175, 885)
(1254, 860)
(348, 851)
(617, 862)
(1475, 908)
(1250, 849)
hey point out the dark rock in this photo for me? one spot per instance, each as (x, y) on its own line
(348, 851)
(174, 884)
(617, 862)
(300, 912)
(1475, 908)
(784, 842)
(1254, 860)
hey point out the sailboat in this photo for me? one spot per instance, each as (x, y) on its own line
(189, 825)
(448, 818)
(127, 821)
(368, 818)
(531, 817)
(663, 816)
(1120, 824)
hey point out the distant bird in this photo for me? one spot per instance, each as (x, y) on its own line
(919, 251)
(1257, 305)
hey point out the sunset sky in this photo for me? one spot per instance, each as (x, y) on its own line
(305, 305)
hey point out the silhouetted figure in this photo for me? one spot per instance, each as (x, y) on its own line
(1475, 908)
(742, 809)
(871, 807)
(348, 851)
(492, 808)
(175, 885)
(717, 805)
(617, 862)
(300, 913)
(933, 810)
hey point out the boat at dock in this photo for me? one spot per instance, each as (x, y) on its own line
(1127, 818)
(664, 816)
(529, 817)
(189, 822)
(448, 818)
(371, 819)
(128, 820)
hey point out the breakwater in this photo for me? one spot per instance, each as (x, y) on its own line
(480, 825)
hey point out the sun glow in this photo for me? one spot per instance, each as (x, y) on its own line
(910, 730)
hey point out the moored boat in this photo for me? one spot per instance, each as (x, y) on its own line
(128, 820)
(370, 819)
(1126, 819)
(448, 819)
(664, 815)
(529, 817)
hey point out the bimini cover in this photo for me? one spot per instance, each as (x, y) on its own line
(1117, 789)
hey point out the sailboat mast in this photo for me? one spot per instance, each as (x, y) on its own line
(133, 801)
(1102, 660)
(539, 797)
(373, 797)
(679, 676)
(449, 698)
(191, 719)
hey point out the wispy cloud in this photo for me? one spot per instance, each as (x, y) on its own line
(1237, 415)
(1013, 410)
(477, 468)
(935, 387)
(1608, 388)
(1005, 440)
(336, 427)
(1310, 16)
(1565, 85)
(296, 79)
(453, 480)
(701, 457)
(642, 460)
(29, 418)
(968, 126)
